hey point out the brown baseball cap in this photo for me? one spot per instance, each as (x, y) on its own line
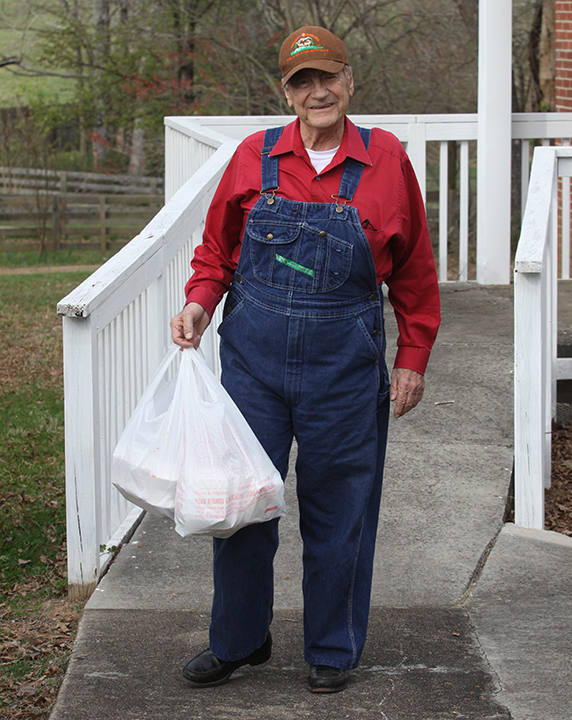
(311, 47)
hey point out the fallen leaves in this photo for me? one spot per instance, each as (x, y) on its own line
(558, 499)
(33, 655)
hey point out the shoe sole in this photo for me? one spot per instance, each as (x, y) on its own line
(329, 690)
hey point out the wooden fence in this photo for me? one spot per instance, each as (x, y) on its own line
(63, 206)
(30, 181)
(99, 218)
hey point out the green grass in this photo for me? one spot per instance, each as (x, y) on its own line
(32, 505)
(37, 623)
(50, 258)
(32, 513)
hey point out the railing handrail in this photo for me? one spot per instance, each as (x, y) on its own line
(524, 125)
(88, 296)
(196, 130)
(536, 363)
(530, 253)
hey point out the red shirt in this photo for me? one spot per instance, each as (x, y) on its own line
(390, 207)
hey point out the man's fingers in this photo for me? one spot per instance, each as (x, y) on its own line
(407, 388)
(188, 326)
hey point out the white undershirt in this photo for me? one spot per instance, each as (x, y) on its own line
(320, 159)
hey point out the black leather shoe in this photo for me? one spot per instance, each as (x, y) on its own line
(323, 678)
(206, 670)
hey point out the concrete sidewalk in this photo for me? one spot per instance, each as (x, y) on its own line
(471, 618)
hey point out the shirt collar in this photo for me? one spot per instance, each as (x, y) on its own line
(351, 145)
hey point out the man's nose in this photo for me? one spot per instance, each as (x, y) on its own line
(319, 88)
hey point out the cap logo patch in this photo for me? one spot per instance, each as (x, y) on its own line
(306, 43)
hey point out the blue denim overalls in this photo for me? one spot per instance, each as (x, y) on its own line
(302, 352)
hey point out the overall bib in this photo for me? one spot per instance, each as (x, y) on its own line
(302, 352)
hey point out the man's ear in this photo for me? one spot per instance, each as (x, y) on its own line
(287, 96)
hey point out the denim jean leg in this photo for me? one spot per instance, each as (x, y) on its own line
(243, 590)
(243, 563)
(341, 446)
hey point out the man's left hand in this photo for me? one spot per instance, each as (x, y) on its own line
(406, 391)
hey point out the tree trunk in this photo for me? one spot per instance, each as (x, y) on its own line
(137, 157)
(546, 58)
(100, 142)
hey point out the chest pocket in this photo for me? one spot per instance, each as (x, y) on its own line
(297, 256)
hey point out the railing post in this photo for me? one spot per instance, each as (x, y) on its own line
(529, 401)
(443, 210)
(417, 151)
(81, 455)
(494, 142)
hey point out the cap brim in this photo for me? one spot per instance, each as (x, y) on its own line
(327, 65)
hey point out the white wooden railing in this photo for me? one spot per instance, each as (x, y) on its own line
(536, 365)
(116, 327)
(116, 322)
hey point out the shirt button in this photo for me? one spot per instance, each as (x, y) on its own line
(318, 177)
(270, 236)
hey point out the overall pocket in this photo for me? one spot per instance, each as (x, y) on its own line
(294, 256)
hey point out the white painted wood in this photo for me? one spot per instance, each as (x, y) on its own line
(121, 535)
(563, 369)
(541, 125)
(81, 414)
(417, 151)
(549, 346)
(565, 170)
(529, 401)
(115, 330)
(464, 212)
(537, 367)
(530, 252)
(494, 142)
(524, 174)
(565, 165)
(443, 210)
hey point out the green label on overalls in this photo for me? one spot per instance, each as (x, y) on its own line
(294, 265)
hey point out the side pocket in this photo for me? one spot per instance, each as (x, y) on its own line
(232, 307)
(373, 337)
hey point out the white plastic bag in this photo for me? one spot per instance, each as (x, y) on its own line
(187, 453)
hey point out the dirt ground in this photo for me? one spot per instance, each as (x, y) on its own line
(558, 500)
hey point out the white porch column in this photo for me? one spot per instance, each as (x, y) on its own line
(494, 142)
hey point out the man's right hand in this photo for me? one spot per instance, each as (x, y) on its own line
(188, 326)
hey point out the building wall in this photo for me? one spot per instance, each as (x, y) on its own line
(563, 55)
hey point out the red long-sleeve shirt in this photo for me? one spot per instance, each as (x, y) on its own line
(390, 207)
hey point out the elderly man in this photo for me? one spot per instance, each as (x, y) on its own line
(306, 224)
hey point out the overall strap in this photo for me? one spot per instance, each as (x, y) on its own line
(269, 165)
(353, 170)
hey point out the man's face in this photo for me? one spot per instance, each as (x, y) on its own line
(320, 99)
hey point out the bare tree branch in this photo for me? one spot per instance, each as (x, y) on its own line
(9, 61)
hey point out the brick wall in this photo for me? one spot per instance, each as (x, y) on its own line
(563, 53)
